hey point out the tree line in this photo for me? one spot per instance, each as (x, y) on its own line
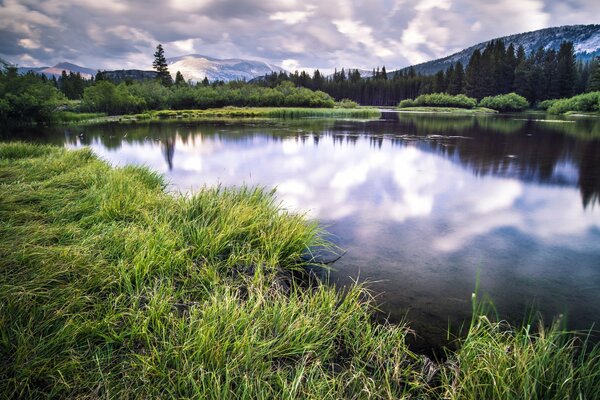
(498, 69)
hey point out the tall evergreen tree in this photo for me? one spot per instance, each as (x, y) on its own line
(594, 82)
(456, 79)
(439, 85)
(566, 72)
(179, 79)
(473, 81)
(160, 65)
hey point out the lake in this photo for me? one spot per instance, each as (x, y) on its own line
(420, 203)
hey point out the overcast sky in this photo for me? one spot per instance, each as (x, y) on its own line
(111, 34)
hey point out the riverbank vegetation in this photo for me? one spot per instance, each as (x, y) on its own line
(436, 102)
(111, 287)
(584, 103)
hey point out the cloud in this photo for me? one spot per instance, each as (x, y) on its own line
(314, 34)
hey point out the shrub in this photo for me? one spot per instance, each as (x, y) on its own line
(440, 100)
(505, 102)
(546, 104)
(105, 97)
(407, 103)
(346, 103)
(27, 98)
(587, 102)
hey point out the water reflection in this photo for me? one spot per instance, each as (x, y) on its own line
(419, 202)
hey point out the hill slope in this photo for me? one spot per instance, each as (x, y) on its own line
(57, 70)
(585, 38)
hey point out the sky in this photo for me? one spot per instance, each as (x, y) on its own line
(116, 34)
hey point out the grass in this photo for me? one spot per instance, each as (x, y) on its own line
(449, 110)
(73, 117)
(499, 361)
(274, 112)
(243, 113)
(111, 288)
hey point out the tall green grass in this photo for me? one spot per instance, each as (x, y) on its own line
(111, 288)
(499, 361)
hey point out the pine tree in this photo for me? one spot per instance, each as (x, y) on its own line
(456, 81)
(566, 72)
(205, 81)
(594, 82)
(160, 65)
(384, 73)
(439, 85)
(473, 81)
(179, 80)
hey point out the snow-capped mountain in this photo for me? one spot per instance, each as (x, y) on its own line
(196, 67)
(57, 70)
(585, 38)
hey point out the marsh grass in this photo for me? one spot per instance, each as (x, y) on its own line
(447, 110)
(72, 117)
(533, 361)
(112, 288)
(275, 112)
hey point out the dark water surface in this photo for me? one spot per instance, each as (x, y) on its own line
(420, 202)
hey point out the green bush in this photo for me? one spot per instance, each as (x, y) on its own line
(407, 103)
(546, 104)
(105, 97)
(505, 102)
(587, 102)
(440, 100)
(27, 98)
(346, 103)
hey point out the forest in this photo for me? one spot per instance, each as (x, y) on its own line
(498, 69)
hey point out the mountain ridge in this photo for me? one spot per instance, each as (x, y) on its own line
(585, 38)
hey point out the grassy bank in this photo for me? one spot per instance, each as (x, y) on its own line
(259, 112)
(223, 113)
(448, 110)
(110, 288)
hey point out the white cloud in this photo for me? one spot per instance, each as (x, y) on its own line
(290, 17)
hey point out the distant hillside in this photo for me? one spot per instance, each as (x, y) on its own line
(585, 38)
(125, 75)
(196, 67)
(364, 73)
(57, 70)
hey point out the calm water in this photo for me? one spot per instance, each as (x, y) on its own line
(420, 202)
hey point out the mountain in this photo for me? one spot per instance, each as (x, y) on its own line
(57, 70)
(585, 38)
(196, 67)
